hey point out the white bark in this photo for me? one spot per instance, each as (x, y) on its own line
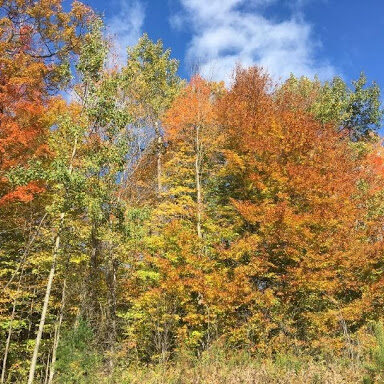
(45, 304)
(57, 335)
(10, 329)
(159, 140)
(51, 275)
(8, 342)
(198, 183)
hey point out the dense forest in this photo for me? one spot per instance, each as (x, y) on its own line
(161, 230)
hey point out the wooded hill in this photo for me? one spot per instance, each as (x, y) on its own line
(146, 216)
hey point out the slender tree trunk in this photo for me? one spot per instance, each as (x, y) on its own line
(10, 329)
(46, 370)
(8, 342)
(112, 282)
(198, 184)
(30, 313)
(57, 334)
(159, 141)
(51, 275)
(26, 251)
(45, 303)
(90, 306)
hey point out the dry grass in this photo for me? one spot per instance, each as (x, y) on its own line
(243, 370)
(245, 375)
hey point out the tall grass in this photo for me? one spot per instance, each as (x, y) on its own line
(79, 362)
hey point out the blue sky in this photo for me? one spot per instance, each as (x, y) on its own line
(306, 37)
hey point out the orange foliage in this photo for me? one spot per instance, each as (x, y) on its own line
(306, 238)
(36, 38)
(292, 228)
(23, 125)
(192, 109)
(376, 158)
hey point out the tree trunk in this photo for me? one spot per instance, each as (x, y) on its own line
(30, 313)
(10, 329)
(198, 184)
(46, 370)
(55, 252)
(8, 342)
(112, 280)
(90, 306)
(46, 302)
(159, 141)
(57, 335)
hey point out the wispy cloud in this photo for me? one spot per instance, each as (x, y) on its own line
(126, 26)
(227, 32)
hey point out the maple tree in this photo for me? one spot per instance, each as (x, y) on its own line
(23, 129)
(38, 38)
(298, 190)
(190, 128)
(170, 279)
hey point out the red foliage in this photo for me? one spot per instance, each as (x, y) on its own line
(23, 122)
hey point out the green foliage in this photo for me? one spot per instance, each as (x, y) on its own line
(22, 175)
(93, 52)
(357, 110)
(376, 366)
(77, 356)
(151, 76)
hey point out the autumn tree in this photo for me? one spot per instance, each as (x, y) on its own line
(174, 273)
(152, 83)
(61, 209)
(37, 41)
(193, 135)
(38, 38)
(295, 183)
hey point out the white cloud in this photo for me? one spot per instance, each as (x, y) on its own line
(228, 32)
(126, 26)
